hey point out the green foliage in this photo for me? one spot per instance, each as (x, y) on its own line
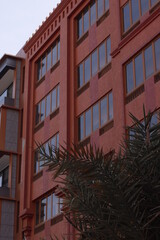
(111, 196)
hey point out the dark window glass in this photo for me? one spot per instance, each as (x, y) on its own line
(79, 26)
(144, 6)
(154, 2)
(102, 56)
(43, 66)
(37, 213)
(10, 91)
(55, 205)
(58, 96)
(100, 7)
(43, 210)
(108, 50)
(48, 104)
(39, 70)
(88, 122)
(157, 53)
(49, 207)
(154, 120)
(86, 20)
(103, 111)
(58, 49)
(53, 100)
(81, 127)
(42, 110)
(126, 17)
(53, 141)
(54, 54)
(36, 163)
(93, 12)
(135, 10)
(95, 117)
(80, 75)
(49, 60)
(38, 112)
(129, 77)
(1, 179)
(139, 69)
(110, 106)
(87, 69)
(106, 4)
(148, 55)
(94, 62)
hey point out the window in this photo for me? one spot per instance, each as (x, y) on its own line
(4, 177)
(89, 67)
(47, 208)
(142, 66)
(90, 14)
(133, 9)
(96, 116)
(49, 59)
(48, 105)
(54, 142)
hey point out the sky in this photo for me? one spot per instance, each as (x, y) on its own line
(19, 19)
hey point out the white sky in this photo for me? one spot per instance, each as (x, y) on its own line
(19, 19)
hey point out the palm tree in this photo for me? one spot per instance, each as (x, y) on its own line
(111, 196)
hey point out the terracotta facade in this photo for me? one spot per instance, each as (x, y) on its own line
(87, 66)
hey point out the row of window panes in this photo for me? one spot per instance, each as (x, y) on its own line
(49, 59)
(96, 116)
(90, 14)
(97, 60)
(48, 105)
(48, 208)
(133, 9)
(144, 65)
(54, 142)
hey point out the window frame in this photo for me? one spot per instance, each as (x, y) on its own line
(99, 117)
(132, 59)
(107, 61)
(45, 54)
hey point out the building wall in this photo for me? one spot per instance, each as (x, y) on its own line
(73, 101)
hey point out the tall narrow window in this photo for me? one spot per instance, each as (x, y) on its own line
(86, 20)
(87, 68)
(135, 10)
(139, 69)
(53, 100)
(80, 75)
(93, 13)
(88, 123)
(157, 53)
(126, 17)
(108, 50)
(129, 77)
(43, 209)
(106, 5)
(144, 6)
(102, 56)
(54, 54)
(38, 113)
(148, 55)
(110, 98)
(94, 62)
(42, 110)
(43, 66)
(103, 111)
(80, 30)
(48, 105)
(95, 116)
(39, 70)
(49, 59)
(49, 212)
(81, 127)
(100, 7)
(58, 50)
(37, 212)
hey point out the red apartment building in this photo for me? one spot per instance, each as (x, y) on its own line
(86, 67)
